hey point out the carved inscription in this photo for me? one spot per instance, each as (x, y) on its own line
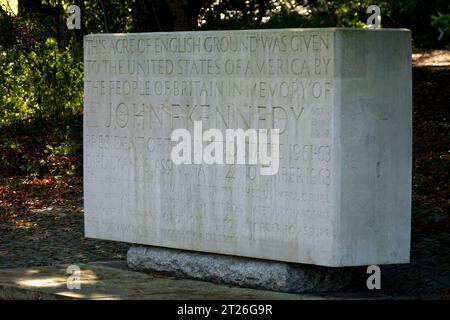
(139, 88)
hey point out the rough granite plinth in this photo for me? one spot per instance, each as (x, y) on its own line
(247, 272)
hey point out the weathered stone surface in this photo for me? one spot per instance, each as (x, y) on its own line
(246, 272)
(341, 99)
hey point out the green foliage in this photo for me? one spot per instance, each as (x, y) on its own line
(351, 14)
(442, 23)
(320, 14)
(414, 15)
(409, 14)
(108, 16)
(45, 83)
(55, 149)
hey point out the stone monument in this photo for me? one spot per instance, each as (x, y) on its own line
(342, 102)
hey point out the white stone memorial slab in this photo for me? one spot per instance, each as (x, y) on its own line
(341, 99)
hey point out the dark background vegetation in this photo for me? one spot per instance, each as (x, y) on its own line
(41, 106)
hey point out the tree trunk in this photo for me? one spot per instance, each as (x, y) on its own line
(151, 15)
(184, 14)
(26, 7)
(79, 33)
(165, 15)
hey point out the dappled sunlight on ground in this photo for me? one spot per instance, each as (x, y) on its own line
(53, 280)
(47, 282)
(108, 283)
(435, 58)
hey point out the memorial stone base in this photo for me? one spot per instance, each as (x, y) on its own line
(240, 271)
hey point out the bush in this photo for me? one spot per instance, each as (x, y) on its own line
(44, 83)
(321, 14)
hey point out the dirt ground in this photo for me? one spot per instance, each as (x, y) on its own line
(41, 218)
(431, 58)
